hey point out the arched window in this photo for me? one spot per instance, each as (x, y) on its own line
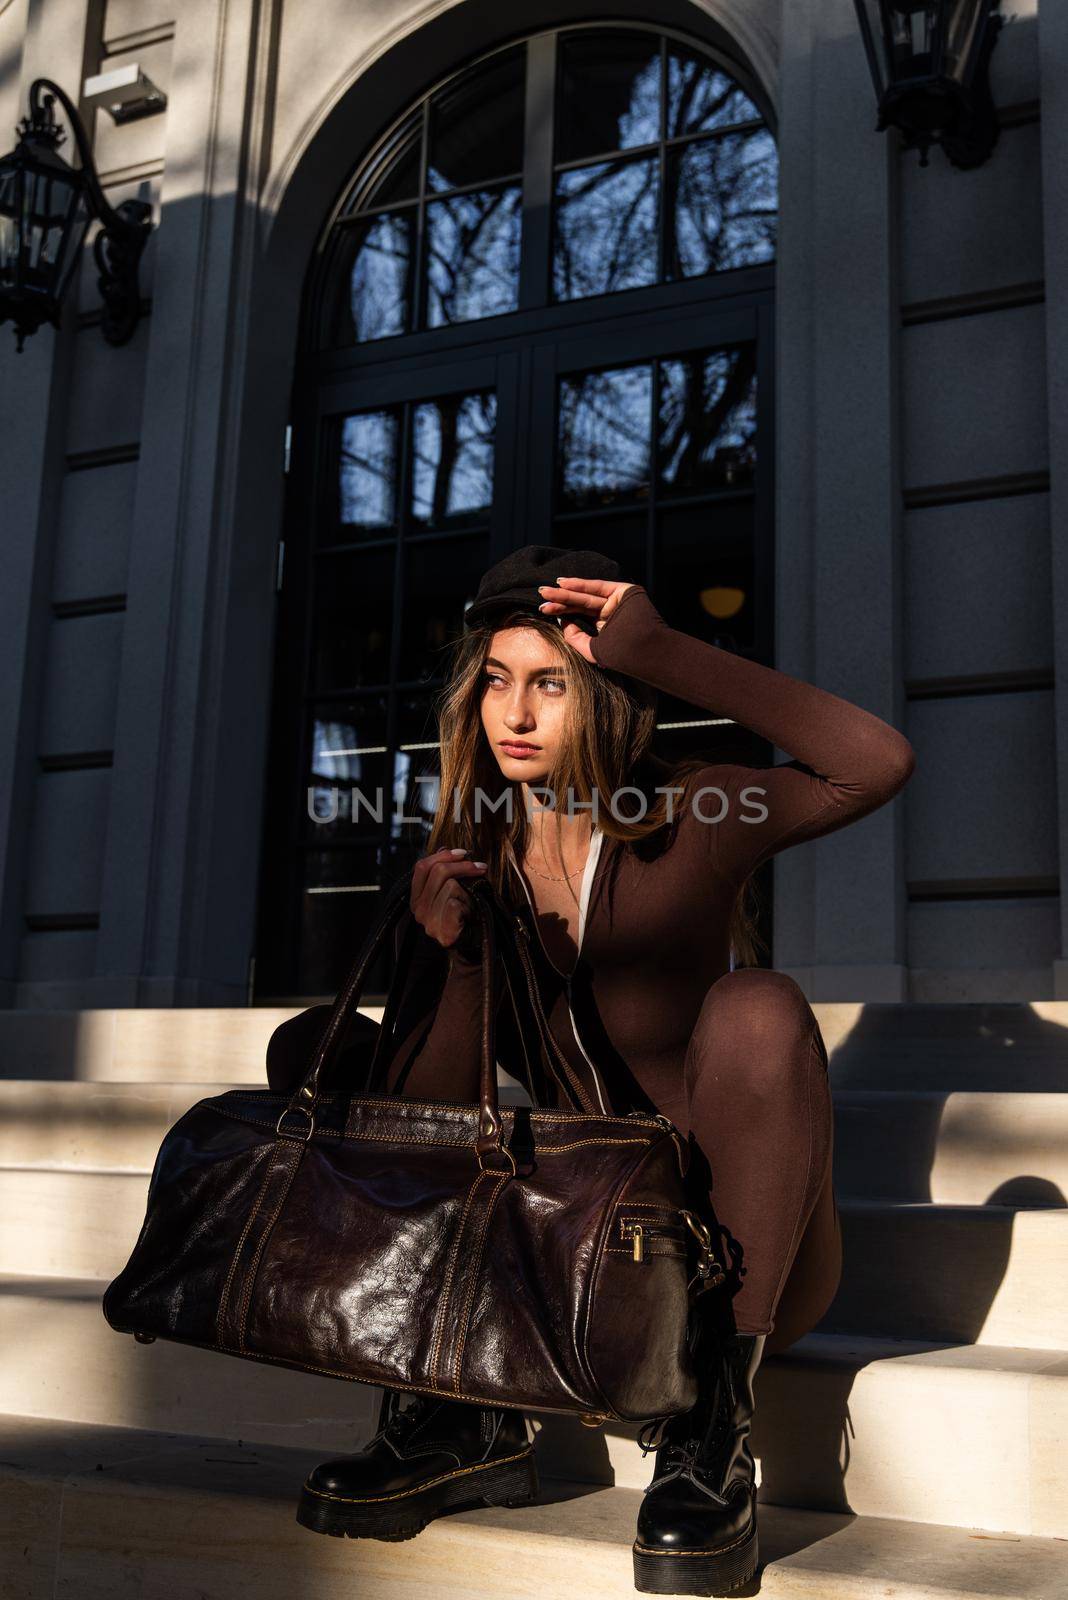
(540, 312)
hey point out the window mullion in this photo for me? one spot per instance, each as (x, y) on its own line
(535, 261)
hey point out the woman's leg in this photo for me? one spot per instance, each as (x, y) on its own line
(757, 1100)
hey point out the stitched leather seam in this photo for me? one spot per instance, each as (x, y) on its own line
(432, 1447)
(708, 1550)
(224, 1298)
(476, 1262)
(391, 1138)
(450, 1272)
(492, 1401)
(595, 1269)
(400, 1494)
(648, 1249)
(431, 1105)
(287, 1184)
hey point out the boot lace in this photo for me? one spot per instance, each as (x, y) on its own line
(401, 1421)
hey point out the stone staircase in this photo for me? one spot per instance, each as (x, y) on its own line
(912, 1446)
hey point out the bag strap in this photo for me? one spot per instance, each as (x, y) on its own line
(489, 1145)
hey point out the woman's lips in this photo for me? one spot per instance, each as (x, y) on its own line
(518, 749)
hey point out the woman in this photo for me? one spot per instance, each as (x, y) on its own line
(641, 933)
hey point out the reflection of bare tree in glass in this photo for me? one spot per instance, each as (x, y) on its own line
(708, 418)
(722, 196)
(700, 97)
(604, 436)
(606, 229)
(472, 256)
(367, 469)
(378, 280)
(453, 458)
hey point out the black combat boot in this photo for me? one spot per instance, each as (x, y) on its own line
(697, 1525)
(430, 1456)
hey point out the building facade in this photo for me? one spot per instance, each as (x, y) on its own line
(431, 281)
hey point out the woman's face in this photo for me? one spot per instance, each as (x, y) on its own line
(524, 699)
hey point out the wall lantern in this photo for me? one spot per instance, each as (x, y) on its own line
(930, 60)
(46, 207)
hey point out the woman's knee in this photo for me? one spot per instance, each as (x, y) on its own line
(754, 1022)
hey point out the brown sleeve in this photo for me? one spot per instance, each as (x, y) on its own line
(439, 1024)
(847, 761)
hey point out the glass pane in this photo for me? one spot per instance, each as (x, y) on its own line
(440, 575)
(353, 620)
(452, 474)
(702, 97)
(340, 900)
(722, 201)
(603, 437)
(707, 433)
(473, 256)
(623, 537)
(395, 174)
(963, 28)
(372, 292)
(417, 771)
(609, 94)
(705, 572)
(347, 770)
(367, 471)
(476, 125)
(605, 236)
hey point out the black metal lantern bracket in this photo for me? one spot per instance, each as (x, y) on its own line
(27, 299)
(936, 90)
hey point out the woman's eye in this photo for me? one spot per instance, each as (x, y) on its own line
(554, 685)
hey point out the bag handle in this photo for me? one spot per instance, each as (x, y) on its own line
(532, 1024)
(489, 1145)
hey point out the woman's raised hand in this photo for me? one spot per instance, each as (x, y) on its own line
(438, 900)
(596, 597)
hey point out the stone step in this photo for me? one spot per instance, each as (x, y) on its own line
(961, 1274)
(960, 1147)
(116, 1514)
(957, 1148)
(996, 1047)
(62, 1359)
(103, 1126)
(936, 1433)
(969, 1435)
(974, 1046)
(991, 1275)
(137, 1044)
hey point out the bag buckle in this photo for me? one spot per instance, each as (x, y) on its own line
(503, 1150)
(709, 1270)
(305, 1111)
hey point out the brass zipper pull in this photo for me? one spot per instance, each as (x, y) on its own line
(638, 1237)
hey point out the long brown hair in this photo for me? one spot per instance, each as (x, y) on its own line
(605, 748)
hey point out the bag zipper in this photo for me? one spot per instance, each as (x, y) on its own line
(638, 1232)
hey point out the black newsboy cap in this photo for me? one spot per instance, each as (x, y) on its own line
(514, 581)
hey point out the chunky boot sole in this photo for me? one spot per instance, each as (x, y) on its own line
(511, 1481)
(705, 1572)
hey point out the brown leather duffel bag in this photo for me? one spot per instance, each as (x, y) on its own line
(544, 1259)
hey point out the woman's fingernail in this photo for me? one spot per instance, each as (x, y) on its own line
(480, 863)
(457, 852)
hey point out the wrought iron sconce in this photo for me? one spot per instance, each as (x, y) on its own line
(930, 62)
(46, 207)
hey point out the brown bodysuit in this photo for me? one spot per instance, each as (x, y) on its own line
(733, 1057)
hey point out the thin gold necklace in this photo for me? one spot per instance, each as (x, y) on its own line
(553, 879)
